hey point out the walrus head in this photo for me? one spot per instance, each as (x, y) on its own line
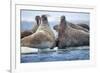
(38, 20)
(63, 21)
(61, 32)
(44, 19)
(62, 26)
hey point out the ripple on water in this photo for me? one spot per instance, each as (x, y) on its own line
(64, 55)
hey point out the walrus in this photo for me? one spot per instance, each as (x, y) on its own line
(38, 21)
(25, 33)
(83, 27)
(42, 38)
(33, 30)
(69, 37)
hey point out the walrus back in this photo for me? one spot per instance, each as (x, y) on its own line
(77, 37)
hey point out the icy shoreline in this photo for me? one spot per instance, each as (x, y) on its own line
(26, 50)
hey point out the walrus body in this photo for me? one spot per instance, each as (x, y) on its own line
(35, 27)
(83, 27)
(68, 36)
(79, 27)
(25, 33)
(42, 38)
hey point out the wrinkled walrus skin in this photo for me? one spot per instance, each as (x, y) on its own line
(42, 38)
(69, 37)
(83, 27)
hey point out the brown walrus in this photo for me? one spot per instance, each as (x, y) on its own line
(35, 27)
(68, 36)
(83, 27)
(42, 38)
(25, 33)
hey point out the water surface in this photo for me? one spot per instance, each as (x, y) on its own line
(61, 55)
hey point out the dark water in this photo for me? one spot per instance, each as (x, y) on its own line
(65, 55)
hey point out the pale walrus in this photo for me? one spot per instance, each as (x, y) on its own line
(42, 38)
(68, 36)
(33, 30)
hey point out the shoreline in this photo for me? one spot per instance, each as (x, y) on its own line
(27, 50)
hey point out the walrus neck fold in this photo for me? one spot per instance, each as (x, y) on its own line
(45, 22)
